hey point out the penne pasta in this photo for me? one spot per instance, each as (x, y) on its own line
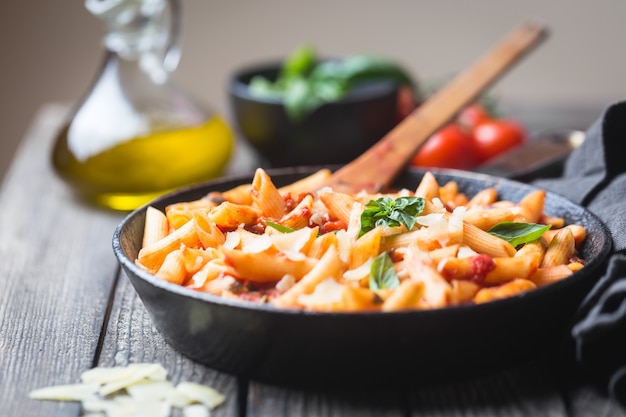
(438, 255)
(229, 215)
(549, 275)
(180, 213)
(331, 296)
(304, 246)
(448, 193)
(151, 257)
(366, 247)
(560, 249)
(209, 234)
(531, 207)
(322, 244)
(156, 226)
(462, 292)
(173, 268)
(483, 242)
(408, 296)
(478, 239)
(509, 289)
(486, 218)
(266, 267)
(239, 195)
(579, 233)
(483, 198)
(195, 258)
(508, 269)
(307, 184)
(428, 188)
(300, 216)
(339, 205)
(474, 268)
(436, 288)
(329, 266)
(265, 196)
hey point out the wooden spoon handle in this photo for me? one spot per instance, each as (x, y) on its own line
(376, 168)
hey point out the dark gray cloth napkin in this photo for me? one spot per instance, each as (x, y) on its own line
(594, 176)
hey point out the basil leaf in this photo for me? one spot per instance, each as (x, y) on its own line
(280, 227)
(517, 233)
(304, 85)
(300, 98)
(386, 211)
(383, 274)
(355, 69)
(300, 62)
(261, 87)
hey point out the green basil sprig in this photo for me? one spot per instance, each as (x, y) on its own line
(389, 212)
(517, 233)
(383, 274)
(280, 227)
(304, 84)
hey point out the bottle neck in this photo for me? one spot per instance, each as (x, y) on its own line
(145, 31)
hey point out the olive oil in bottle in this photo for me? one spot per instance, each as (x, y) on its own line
(136, 135)
(136, 171)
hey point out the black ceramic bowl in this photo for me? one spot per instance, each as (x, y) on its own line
(335, 133)
(307, 349)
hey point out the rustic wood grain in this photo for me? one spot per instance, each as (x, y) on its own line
(585, 395)
(267, 400)
(65, 307)
(57, 272)
(524, 390)
(132, 338)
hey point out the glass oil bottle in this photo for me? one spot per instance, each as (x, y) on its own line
(137, 135)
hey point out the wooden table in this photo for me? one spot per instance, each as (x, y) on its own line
(66, 307)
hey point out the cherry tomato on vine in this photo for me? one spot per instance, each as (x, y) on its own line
(493, 137)
(450, 147)
(473, 115)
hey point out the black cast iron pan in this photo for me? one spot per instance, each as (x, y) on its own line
(363, 349)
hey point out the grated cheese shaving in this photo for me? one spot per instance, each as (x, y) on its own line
(136, 390)
(326, 292)
(359, 273)
(198, 393)
(70, 392)
(256, 245)
(466, 252)
(195, 410)
(233, 239)
(291, 244)
(344, 244)
(285, 283)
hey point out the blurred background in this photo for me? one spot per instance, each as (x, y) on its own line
(51, 50)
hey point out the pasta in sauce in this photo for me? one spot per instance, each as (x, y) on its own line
(303, 246)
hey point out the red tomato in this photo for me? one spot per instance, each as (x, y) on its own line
(493, 137)
(450, 147)
(473, 115)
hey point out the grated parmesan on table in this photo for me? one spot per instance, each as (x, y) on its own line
(135, 390)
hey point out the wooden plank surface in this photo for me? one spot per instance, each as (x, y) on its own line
(534, 388)
(525, 390)
(58, 275)
(57, 272)
(132, 338)
(266, 400)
